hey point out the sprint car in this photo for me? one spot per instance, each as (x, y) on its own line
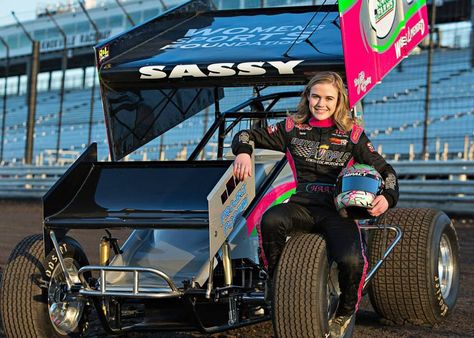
(192, 261)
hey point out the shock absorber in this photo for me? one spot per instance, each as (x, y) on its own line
(104, 251)
(227, 262)
(106, 243)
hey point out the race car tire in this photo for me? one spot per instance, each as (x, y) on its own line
(26, 284)
(305, 287)
(419, 281)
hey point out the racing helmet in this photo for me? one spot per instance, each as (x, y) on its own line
(356, 188)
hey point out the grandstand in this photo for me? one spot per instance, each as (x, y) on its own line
(394, 111)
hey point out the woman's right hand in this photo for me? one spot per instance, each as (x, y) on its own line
(242, 166)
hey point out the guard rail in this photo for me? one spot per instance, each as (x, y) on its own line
(443, 185)
(28, 181)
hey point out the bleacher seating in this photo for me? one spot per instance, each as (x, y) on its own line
(393, 113)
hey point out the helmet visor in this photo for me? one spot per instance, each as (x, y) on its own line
(360, 183)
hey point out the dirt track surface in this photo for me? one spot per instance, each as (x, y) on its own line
(18, 220)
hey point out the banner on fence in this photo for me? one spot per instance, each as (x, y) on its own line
(376, 36)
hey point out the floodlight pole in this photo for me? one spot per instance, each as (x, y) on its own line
(129, 18)
(63, 77)
(425, 150)
(97, 34)
(28, 35)
(164, 5)
(472, 34)
(7, 68)
(32, 92)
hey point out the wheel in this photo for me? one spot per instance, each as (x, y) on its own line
(34, 297)
(306, 289)
(419, 281)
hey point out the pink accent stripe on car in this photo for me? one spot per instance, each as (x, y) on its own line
(256, 215)
(265, 203)
(364, 273)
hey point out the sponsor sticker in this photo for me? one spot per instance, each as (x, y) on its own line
(289, 124)
(339, 132)
(355, 134)
(391, 181)
(272, 129)
(337, 141)
(254, 68)
(382, 16)
(410, 34)
(244, 137)
(233, 209)
(303, 126)
(370, 146)
(104, 53)
(361, 82)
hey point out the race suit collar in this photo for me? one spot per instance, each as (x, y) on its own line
(329, 122)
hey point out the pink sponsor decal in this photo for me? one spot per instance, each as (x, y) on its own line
(265, 203)
(376, 36)
(289, 124)
(256, 215)
(355, 133)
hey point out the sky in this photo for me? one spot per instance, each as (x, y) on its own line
(24, 9)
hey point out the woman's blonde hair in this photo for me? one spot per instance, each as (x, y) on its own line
(341, 115)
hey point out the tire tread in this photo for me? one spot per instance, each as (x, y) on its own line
(18, 287)
(400, 291)
(296, 291)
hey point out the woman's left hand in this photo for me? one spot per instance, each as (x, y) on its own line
(379, 206)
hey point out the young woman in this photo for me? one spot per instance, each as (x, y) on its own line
(319, 141)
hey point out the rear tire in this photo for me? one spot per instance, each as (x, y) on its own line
(419, 281)
(28, 281)
(306, 289)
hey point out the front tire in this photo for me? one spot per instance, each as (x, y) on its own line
(33, 300)
(306, 289)
(419, 281)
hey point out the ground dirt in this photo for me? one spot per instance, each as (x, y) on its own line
(19, 219)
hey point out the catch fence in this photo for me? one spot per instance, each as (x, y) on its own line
(443, 185)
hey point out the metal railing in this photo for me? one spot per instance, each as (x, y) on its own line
(443, 185)
(28, 181)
